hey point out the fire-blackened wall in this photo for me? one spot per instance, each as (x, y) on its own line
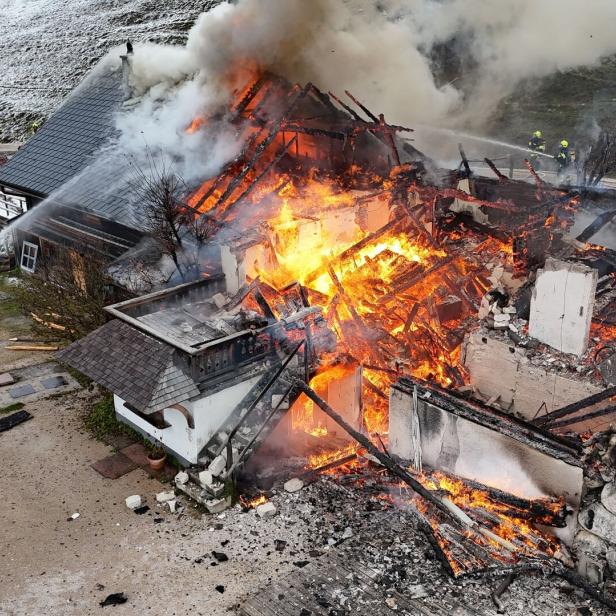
(483, 446)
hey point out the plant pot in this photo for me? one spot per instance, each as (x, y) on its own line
(156, 460)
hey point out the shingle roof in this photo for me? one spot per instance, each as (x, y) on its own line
(64, 145)
(137, 367)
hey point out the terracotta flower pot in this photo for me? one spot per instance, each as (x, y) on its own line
(156, 459)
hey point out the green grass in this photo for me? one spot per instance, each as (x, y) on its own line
(101, 419)
(82, 379)
(17, 406)
(8, 307)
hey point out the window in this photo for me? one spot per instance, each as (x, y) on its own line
(11, 205)
(28, 256)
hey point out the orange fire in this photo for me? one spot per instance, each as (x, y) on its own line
(501, 518)
(318, 460)
(361, 247)
(195, 125)
(253, 503)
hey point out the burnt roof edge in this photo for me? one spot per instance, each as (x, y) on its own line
(506, 424)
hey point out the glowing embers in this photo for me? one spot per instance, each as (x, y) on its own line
(252, 503)
(512, 535)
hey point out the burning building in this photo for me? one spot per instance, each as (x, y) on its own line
(350, 290)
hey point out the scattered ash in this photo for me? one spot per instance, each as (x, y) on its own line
(333, 520)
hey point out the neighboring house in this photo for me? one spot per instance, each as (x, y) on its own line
(85, 218)
(179, 365)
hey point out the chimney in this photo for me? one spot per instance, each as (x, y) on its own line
(127, 69)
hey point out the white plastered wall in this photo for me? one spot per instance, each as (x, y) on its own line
(562, 305)
(208, 414)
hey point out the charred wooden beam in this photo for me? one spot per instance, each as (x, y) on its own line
(252, 92)
(411, 317)
(348, 109)
(362, 107)
(324, 98)
(374, 389)
(508, 425)
(364, 441)
(295, 127)
(597, 224)
(549, 418)
(467, 167)
(499, 175)
(253, 185)
(579, 418)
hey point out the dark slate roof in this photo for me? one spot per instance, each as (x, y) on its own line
(138, 368)
(64, 145)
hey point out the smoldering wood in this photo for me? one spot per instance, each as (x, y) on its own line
(596, 225)
(500, 590)
(384, 459)
(252, 92)
(313, 473)
(537, 508)
(252, 185)
(271, 136)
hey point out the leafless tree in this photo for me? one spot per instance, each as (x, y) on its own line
(180, 229)
(160, 193)
(600, 159)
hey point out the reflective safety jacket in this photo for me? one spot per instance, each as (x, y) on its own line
(537, 144)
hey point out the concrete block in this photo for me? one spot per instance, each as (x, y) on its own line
(6, 379)
(562, 305)
(218, 505)
(181, 478)
(592, 568)
(133, 502)
(164, 497)
(294, 485)
(267, 510)
(611, 560)
(216, 489)
(590, 544)
(220, 300)
(206, 478)
(499, 369)
(217, 466)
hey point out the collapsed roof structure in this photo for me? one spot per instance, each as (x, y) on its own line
(353, 289)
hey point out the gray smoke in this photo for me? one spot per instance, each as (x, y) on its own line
(381, 50)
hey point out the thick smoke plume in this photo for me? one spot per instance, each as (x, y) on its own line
(383, 51)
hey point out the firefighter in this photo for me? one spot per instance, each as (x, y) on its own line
(563, 156)
(536, 144)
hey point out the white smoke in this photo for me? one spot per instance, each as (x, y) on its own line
(381, 50)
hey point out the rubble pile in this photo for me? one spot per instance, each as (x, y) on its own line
(595, 542)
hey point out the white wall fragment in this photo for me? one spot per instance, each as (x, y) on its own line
(562, 305)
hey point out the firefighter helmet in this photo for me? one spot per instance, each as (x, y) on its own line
(538, 134)
(564, 143)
